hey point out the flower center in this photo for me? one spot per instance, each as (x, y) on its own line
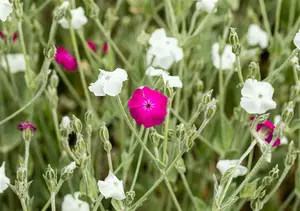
(148, 105)
(107, 77)
(260, 96)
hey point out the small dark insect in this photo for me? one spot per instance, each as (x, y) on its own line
(72, 139)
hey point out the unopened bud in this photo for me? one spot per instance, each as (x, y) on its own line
(288, 112)
(295, 91)
(154, 136)
(180, 166)
(143, 38)
(234, 41)
(206, 98)
(50, 52)
(50, 178)
(210, 109)
(88, 117)
(18, 9)
(254, 70)
(130, 195)
(104, 134)
(54, 80)
(291, 155)
(76, 124)
(199, 86)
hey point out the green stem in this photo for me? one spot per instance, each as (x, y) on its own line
(278, 10)
(296, 204)
(291, 14)
(265, 17)
(139, 161)
(23, 204)
(134, 131)
(53, 207)
(171, 14)
(165, 146)
(110, 164)
(189, 191)
(98, 203)
(296, 77)
(173, 196)
(240, 74)
(39, 9)
(59, 184)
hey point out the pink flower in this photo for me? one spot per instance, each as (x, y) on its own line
(92, 45)
(105, 47)
(1, 34)
(14, 38)
(24, 125)
(266, 130)
(66, 59)
(148, 107)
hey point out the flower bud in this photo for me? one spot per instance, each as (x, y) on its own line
(68, 171)
(61, 11)
(188, 142)
(180, 129)
(207, 97)
(254, 70)
(130, 195)
(18, 9)
(210, 109)
(180, 166)
(50, 178)
(104, 134)
(143, 38)
(288, 112)
(88, 117)
(199, 85)
(76, 124)
(291, 155)
(154, 136)
(295, 91)
(54, 80)
(50, 51)
(234, 41)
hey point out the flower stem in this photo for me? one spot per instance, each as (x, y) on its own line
(171, 16)
(291, 14)
(240, 74)
(173, 196)
(278, 10)
(59, 184)
(110, 164)
(53, 207)
(265, 17)
(23, 204)
(189, 191)
(135, 133)
(165, 146)
(27, 147)
(57, 132)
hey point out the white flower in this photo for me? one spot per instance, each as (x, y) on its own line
(72, 203)
(206, 5)
(257, 97)
(224, 165)
(227, 58)
(65, 5)
(77, 21)
(297, 40)
(109, 83)
(170, 81)
(256, 36)
(65, 122)
(163, 51)
(4, 180)
(16, 62)
(283, 139)
(112, 187)
(5, 9)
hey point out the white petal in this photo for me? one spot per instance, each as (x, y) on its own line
(4, 180)
(113, 87)
(65, 122)
(112, 187)
(249, 88)
(118, 74)
(64, 23)
(297, 40)
(151, 71)
(284, 140)
(158, 36)
(97, 87)
(172, 81)
(224, 165)
(77, 21)
(72, 203)
(252, 106)
(178, 53)
(266, 105)
(16, 62)
(5, 9)
(265, 89)
(277, 118)
(215, 55)
(228, 58)
(163, 62)
(205, 5)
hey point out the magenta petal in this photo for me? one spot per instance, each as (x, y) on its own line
(64, 58)
(24, 125)
(92, 45)
(148, 107)
(105, 47)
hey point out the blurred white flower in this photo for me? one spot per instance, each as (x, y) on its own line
(224, 62)
(257, 97)
(206, 5)
(170, 81)
(224, 165)
(65, 122)
(109, 83)
(283, 139)
(4, 180)
(78, 19)
(297, 40)
(112, 187)
(256, 36)
(72, 203)
(16, 62)
(163, 51)
(71, 167)
(65, 5)
(5, 9)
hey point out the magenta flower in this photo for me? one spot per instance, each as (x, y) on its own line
(14, 38)
(92, 45)
(266, 130)
(105, 47)
(148, 107)
(24, 125)
(66, 59)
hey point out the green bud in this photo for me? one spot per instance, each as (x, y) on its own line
(54, 80)
(76, 124)
(88, 117)
(50, 52)
(180, 129)
(180, 166)
(143, 38)
(248, 191)
(210, 109)
(61, 11)
(207, 97)
(18, 9)
(234, 41)
(199, 85)
(130, 195)
(291, 155)
(189, 139)
(104, 134)
(50, 178)
(288, 112)
(274, 173)
(154, 136)
(295, 91)
(107, 146)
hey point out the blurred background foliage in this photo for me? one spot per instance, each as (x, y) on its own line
(126, 20)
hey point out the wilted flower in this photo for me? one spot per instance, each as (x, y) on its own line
(109, 83)
(170, 81)
(256, 36)
(77, 21)
(5, 9)
(66, 59)
(224, 165)
(226, 60)
(112, 187)
(72, 203)
(16, 62)
(4, 180)
(164, 51)
(283, 139)
(297, 40)
(92, 45)
(206, 5)
(148, 107)
(257, 97)
(65, 122)
(26, 125)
